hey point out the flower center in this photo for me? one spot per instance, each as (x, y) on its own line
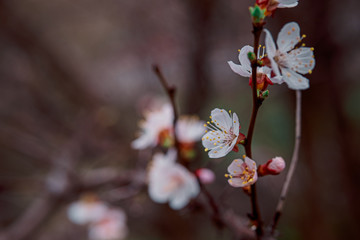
(247, 175)
(281, 59)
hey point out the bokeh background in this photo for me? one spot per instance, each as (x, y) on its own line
(75, 77)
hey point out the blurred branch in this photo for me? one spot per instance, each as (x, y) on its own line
(294, 160)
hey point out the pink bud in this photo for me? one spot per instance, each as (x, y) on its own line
(274, 166)
(205, 175)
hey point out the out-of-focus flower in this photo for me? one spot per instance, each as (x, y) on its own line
(272, 5)
(242, 173)
(274, 166)
(112, 226)
(86, 210)
(244, 68)
(156, 129)
(171, 182)
(189, 129)
(205, 175)
(223, 134)
(287, 62)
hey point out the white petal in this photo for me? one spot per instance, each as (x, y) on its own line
(275, 68)
(243, 57)
(214, 137)
(239, 69)
(236, 124)
(301, 60)
(221, 150)
(288, 37)
(294, 80)
(235, 167)
(287, 3)
(270, 44)
(221, 119)
(250, 163)
(144, 141)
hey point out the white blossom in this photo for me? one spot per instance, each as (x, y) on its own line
(171, 182)
(223, 133)
(189, 129)
(155, 123)
(288, 63)
(244, 68)
(112, 226)
(242, 173)
(86, 211)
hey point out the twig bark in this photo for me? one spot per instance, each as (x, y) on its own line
(294, 160)
(256, 217)
(170, 90)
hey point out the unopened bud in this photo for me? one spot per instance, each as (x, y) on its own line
(251, 56)
(273, 167)
(205, 175)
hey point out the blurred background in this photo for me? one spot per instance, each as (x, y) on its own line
(75, 77)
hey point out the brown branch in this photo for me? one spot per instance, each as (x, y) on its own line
(256, 217)
(171, 91)
(294, 160)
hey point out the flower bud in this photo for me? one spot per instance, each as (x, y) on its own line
(273, 167)
(205, 175)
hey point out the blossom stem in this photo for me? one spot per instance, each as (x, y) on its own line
(256, 217)
(294, 160)
(170, 90)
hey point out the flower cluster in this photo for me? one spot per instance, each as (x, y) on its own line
(283, 64)
(158, 130)
(104, 223)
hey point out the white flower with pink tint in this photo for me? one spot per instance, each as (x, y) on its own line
(86, 211)
(189, 129)
(112, 226)
(205, 175)
(288, 62)
(274, 166)
(171, 182)
(223, 134)
(157, 126)
(242, 173)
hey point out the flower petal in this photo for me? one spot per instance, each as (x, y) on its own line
(212, 137)
(287, 3)
(243, 57)
(239, 69)
(221, 119)
(236, 124)
(301, 60)
(275, 68)
(250, 163)
(288, 37)
(270, 44)
(236, 167)
(221, 150)
(294, 80)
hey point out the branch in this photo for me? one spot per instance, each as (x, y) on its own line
(294, 160)
(170, 90)
(256, 217)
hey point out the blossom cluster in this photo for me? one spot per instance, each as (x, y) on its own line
(168, 180)
(284, 63)
(104, 222)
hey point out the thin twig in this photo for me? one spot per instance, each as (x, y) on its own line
(170, 90)
(294, 160)
(256, 217)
